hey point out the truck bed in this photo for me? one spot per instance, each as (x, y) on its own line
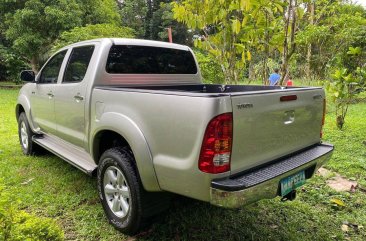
(266, 127)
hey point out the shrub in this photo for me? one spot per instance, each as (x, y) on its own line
(210, 70)
(17, 225)
(11, 65)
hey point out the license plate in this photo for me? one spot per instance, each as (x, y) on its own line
(292, 182)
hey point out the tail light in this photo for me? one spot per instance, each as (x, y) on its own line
(323, 118)
(216, 146)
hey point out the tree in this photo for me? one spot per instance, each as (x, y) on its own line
(163, 19)
(92, 32)
(323, 42)
(10, 63)
(229, 29)
(311, 15)
(35, 25)
(290, 28)
(99, 11)
(347, 84)
(34, 28)
(133, 14)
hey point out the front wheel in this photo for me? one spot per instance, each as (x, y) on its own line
(25, 135)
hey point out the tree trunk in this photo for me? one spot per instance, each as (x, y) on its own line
(266, 54)
(311, 10)
(285, 42)
(148, 18)
(289, 50)
(34, 64)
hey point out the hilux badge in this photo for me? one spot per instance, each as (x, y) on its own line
(244, 106)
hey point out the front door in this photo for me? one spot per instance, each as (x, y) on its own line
(71, 97)
(42, 96)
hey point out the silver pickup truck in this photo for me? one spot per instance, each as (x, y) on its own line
(136, 114)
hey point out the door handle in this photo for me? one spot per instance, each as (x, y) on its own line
(78, 97)
(50, 95)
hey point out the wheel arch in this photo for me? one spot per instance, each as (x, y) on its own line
(115, 129)
(23, 105)
(18, 109)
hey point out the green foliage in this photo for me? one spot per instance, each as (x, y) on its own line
(99, 11)
(11, 64)
(230, 29)
(163, 18)
(35, 27)
(337, 25)
(31, 27)
(6, 212)
(133, 14)
(210, 70)
(257, 69)
(92, 32)
(346, 85)
(17, 225)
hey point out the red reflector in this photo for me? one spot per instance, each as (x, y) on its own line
(288, 97)
(216, 146)
(324, 110)
(323, 118)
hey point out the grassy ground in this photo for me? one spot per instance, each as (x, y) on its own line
(49, 187)
(9, 83)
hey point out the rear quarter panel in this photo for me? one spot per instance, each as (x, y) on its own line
(172, 126)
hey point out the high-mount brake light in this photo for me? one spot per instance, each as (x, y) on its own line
(216, 146)
(288, 98)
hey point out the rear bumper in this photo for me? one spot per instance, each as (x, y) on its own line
(263, 183)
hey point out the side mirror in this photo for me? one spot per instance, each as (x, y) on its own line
(27, 76)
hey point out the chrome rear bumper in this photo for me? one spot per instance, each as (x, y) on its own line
(263, 183)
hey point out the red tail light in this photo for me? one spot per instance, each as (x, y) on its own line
(323, 118)
(216, 146)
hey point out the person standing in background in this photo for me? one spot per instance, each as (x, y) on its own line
(289, 81)
(274, 78)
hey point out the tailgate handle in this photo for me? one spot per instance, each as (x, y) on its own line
(289, 117)
(318, 97)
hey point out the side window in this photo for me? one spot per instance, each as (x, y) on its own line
(50, 72)
(78, 64)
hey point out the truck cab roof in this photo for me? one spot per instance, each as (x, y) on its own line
(131, 41)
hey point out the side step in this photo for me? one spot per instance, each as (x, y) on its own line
(73, 155)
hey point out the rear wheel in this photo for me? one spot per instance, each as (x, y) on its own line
(25, 135)
(125, 202)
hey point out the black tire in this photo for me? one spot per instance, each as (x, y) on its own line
(142, 204)
(25, 139)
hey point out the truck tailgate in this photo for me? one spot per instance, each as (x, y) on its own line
(266, 127)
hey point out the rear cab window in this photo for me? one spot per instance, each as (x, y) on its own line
(131, 59)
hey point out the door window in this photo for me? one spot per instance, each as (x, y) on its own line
(50, 72)
(78, 64)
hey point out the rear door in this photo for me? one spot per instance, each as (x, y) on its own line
(268, 126)
(70, 96)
